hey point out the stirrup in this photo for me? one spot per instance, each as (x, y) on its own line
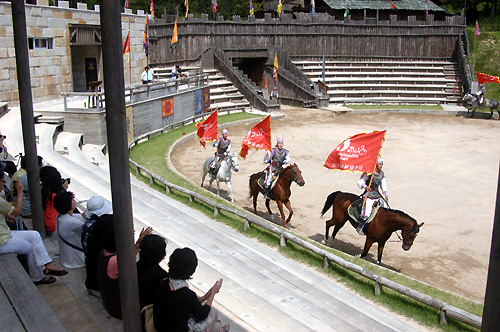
(360, 227)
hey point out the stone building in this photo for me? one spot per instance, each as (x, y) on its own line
(64, 49)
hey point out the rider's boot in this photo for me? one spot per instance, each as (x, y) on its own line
(265, 191)
(361, 225)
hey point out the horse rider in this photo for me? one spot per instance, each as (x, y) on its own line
(372, 195)
(223, 145)
(480, 94)
(279, 157)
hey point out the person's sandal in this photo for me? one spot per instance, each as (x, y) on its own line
(226, 327)
(45, 282)
(55, 272)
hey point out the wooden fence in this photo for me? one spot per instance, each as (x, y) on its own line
(446, 310)
(305, 36)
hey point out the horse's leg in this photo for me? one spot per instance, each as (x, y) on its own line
(282, 213)
(381, 246)
(255, 193)
(210, 183)
(368, 245)
(268, 207)
(218, 186)
(289, 207)
(203, 177)
(230, 190)
(473, 110)
(491, 113)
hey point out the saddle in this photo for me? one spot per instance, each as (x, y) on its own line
(262, 181)
(354, 210)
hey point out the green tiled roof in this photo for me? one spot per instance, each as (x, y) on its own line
(382, 4)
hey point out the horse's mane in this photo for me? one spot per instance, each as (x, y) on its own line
(404, 214)
(285, 169)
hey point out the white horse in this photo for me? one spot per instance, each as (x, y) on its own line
(224, 173)
(472, 102)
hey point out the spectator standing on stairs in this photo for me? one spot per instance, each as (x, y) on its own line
(151, 74)
(144, 75)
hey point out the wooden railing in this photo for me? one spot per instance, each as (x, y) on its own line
(446, 310)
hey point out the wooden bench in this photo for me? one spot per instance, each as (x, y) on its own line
(22, 306)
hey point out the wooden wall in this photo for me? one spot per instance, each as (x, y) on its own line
(308, 36)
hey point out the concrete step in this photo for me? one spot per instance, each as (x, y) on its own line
(391, 100)
(233, 97)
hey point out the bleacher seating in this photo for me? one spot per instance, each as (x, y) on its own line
(387, 82)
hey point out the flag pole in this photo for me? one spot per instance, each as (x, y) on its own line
(373, 172)
(129, 63)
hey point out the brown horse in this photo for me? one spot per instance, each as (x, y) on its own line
(378, 230)
(281, 191)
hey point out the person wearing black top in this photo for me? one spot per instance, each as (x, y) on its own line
(175, 303)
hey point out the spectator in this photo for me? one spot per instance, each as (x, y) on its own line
(52, 184)
(69, 231)
(149, 272)
(107, 269)
(10, 168)
(25, 242)
(3, 149)
(176, 72)
(26, 213)
(96, 207)
(175, 303)
(95, 244)
(144, 75)
(151, 74)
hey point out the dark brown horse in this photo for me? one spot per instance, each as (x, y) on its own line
(281, 191)
(378, 230)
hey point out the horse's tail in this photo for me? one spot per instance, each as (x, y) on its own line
(329, 202)
(250, 180)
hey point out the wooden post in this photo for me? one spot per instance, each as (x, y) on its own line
(282, 240)
(247, 225)
(216, 211)
(326, 262)
(442, 317)
(167, 189)
(27, 119)
(191, 198)
(378, 287)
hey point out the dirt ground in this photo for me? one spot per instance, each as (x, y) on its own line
(442, 170)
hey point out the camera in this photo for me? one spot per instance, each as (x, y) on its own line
(64, 180)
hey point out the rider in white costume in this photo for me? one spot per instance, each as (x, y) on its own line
(280, 157)
(372, 193)
(480, 94)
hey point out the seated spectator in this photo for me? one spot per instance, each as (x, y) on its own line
(175, 303)
(107, 269)
(96, 207)
(52, 184)
(69, 231)
(25, 242)
(149, 272)
(21, 175)
(10, 168)
(94, 246)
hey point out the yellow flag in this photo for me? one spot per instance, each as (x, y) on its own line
(275, 71)
(175, 36)
(279, 8)
(186, 4)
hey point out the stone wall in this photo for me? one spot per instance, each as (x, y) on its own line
(51, 70)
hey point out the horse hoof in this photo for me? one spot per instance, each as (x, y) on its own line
(358, 255)
(323, 242)
(378, 262)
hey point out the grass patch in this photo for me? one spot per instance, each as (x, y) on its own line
(396, 107)
(152, 155)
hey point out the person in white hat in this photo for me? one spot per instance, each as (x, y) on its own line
(372, 193)
(480, 94)
(96, 207)
(279, 156)
(223, 145)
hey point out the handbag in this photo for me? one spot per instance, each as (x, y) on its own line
(149, 323)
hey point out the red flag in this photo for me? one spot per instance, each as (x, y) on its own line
(214, 6)
(357, 153)
(259, 137)
(126, 45)
(393, 6)
(152, 8)
(485, 78)
(267, 77)
(477, 32)
(207, 130)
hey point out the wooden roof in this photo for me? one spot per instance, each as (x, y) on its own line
(382, 4)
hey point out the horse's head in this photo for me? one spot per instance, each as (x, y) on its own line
(410, 234)
(297, 174)
(233, 162)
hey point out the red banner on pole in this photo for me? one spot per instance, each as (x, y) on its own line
(485, 78)
(259, 137)
(207, 130)
(357, 153)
